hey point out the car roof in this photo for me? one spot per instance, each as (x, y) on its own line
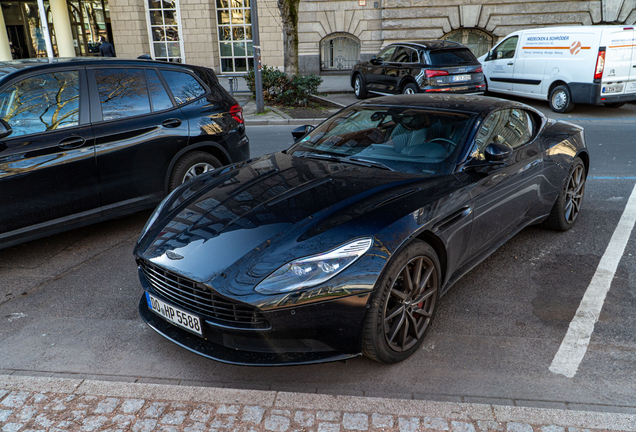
(431, 44)
(470, 104)
(14, 66)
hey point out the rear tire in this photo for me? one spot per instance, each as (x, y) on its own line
(614, 104)
(567, 207)
(561, 99)
(359, 87)
(192, 165)
(410, 88)
(403, 304)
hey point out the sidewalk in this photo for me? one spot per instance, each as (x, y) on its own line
(332, 87)
(57, 404)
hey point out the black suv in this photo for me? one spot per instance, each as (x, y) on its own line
(87, 139)
(419, 67)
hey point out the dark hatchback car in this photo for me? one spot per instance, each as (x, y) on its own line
(344, 243)
(87, 139)
(419, 67)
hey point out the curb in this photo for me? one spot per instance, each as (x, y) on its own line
(356, 404)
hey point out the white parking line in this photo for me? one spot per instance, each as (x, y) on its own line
(574, 345)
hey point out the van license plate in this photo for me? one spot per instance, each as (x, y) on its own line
(175, 315)
(461, 78)
(613, 89)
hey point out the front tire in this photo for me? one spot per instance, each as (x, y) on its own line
(567, 207)
(403, 304)
(561, 99)
(359, 88)
(192, 165)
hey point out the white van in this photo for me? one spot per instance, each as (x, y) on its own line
(566, 65)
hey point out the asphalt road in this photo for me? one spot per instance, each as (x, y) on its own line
(68, 308)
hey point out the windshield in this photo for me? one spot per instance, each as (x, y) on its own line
(407, 139)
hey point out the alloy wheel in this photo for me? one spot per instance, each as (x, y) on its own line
(409, 308)
(197, 169)
(574, 194)
(409, 91)
(357, 86)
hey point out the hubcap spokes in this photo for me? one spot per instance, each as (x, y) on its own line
(196, 170)
(574, 194)
(409, 91)
(409, 308)
(357, 88)
(559, 100)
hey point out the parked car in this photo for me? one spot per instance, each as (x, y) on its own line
(419, 67)
(565, 65)
(344, 243)
(88, 139)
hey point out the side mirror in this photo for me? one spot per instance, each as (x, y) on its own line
(300, 132)
(373, 60)
(5, 129)
(495, 152)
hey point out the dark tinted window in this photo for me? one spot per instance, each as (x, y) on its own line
(184, 87)
(122, 93)
(386, 54)
(403, 55)
(42, 103)
(158, 93)
(457, 56)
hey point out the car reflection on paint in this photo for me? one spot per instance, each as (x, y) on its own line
(343, 244)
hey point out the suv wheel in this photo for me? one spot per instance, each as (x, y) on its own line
(192, 165)
(410, 88)
(359, 88)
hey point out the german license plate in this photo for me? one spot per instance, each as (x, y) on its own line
(175, 315)
(461, 78)
(613, 88)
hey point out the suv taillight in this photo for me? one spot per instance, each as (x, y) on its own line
(479, 70)
(600, 64)
(434, 73)
(237, 113)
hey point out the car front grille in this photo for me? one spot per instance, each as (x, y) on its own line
(194, 297)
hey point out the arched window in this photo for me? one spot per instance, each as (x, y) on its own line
(339, 51)
(478, 41)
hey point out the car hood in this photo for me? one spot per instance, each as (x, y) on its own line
(263, 213)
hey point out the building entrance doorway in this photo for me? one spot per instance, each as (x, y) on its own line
(17, 41)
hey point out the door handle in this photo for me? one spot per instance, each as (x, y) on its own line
(510, 64)
(71, 142)
(171, 123)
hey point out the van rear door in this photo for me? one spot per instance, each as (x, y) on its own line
(619, 75)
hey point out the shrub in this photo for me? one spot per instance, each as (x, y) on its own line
(280, 90)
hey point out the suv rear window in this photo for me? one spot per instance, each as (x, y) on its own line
(451, 57)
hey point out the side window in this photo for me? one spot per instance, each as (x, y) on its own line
(402, 55)
(184, 87)
(158, 93)
(414, 57)
(385, 55)
(42, 103)
(122, 93)
(505, 50)
(512, 127)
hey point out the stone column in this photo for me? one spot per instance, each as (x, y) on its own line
(62, 25)
(5, 48)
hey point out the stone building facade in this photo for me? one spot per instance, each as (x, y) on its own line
(333, 34)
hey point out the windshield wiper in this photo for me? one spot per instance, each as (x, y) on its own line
(351, 160)
(369, 163)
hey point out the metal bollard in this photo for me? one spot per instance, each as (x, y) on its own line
(230, 81)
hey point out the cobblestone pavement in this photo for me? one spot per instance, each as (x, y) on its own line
(56, 405)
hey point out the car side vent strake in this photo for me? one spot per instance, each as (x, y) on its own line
(452, 218)
(194, 297)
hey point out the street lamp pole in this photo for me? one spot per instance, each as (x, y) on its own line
(258, 78)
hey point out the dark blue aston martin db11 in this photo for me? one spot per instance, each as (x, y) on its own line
(343, 244)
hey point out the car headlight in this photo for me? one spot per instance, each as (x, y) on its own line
(313, 270)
